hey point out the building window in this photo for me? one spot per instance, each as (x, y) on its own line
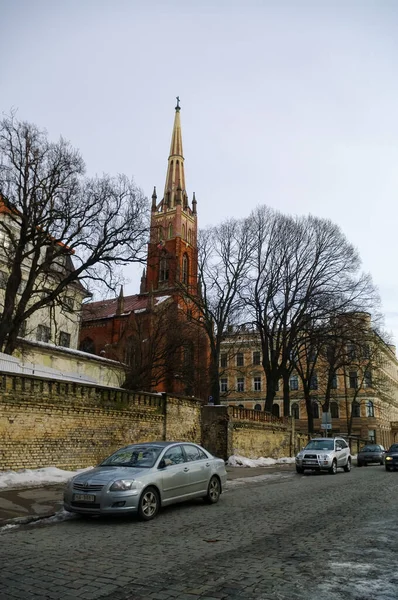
(295, 410)
(334, 410)
(185, 269)
(163, 269)
(69, 303)
(353, 377)
(366, 351)
(183, 232)
(293, 383)
(372, 435)
(356, 409)
(367, 379)
(87, 345)
(315, 410)
(256, 358)
(351, 351)
(64, 339)
(239, 359)
(334, 382)
(370, 409)
(257, 407)
(240, 384)
(257, 384)
(170, 230)
(3, 280)
(275, 410)
(314, 382)
(43, 333)
(224, 360)
(224, 384)
(22, 330)
(189, 237)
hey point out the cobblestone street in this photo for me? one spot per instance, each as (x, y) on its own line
(290, 537)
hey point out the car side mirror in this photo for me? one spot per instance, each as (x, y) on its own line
(162, 464)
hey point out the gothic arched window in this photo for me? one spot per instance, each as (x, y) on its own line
(295, 410)
(163, 269)
(185, 265)
(183, 232)
(189, 237)
(170, 230)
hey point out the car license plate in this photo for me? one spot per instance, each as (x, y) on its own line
(311, 462)
(84, 497)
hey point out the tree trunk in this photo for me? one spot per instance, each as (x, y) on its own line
(310, 416)
(269, 398)
(286, 395)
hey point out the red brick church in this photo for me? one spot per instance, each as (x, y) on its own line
(155, 332)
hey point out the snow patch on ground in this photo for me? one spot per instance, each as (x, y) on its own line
(33, 477)
(236, 460)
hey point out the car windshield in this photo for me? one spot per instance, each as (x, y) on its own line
(320, 445)
(142, 457)
(394, 448)
(371, 449)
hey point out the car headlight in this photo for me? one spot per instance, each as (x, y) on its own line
(122, 485)
(299, 455)
(388, 457)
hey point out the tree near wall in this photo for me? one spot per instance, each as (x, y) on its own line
(52, 213)
(302, 269)
(223, 253)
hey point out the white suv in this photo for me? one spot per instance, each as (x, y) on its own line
(324, 454)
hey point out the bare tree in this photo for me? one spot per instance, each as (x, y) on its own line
(302, 270)
(50, 212)
(223, 253)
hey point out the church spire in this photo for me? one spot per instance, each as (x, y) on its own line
(175, 177)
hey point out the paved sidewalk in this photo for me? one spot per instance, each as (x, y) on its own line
(28, 504)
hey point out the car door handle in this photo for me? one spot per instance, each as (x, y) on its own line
(207, 464)
(186, 469)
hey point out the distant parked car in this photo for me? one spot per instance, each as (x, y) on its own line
(141, 478)
(391, 458)
(371, 453)
(324, 454)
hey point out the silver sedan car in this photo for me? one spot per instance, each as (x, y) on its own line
(141, 478)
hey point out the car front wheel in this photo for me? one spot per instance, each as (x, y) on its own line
(388, 468)
(347, 467)
(333, 468)
(213, 491)
(149, 504)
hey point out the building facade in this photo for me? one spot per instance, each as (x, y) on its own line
(366, 410)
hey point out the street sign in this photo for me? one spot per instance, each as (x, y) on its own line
(326, 425)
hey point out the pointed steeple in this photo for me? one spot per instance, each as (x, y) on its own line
(175, 169)
(120, 302)
(154, 198)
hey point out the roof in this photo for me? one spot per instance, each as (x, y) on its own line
(106, 309)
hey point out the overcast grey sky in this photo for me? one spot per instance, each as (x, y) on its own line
(287, 103)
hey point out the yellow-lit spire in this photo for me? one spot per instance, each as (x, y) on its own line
(175, 169)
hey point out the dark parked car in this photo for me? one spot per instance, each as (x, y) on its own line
(391, 458)
(372, 453)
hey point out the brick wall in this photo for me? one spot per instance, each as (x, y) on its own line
(45, 423)
(250, 433)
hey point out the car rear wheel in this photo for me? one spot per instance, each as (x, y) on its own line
(213, 491)
(382, 462)
(333, 468)
(149, 504)
(299, 469)
(347, 467)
